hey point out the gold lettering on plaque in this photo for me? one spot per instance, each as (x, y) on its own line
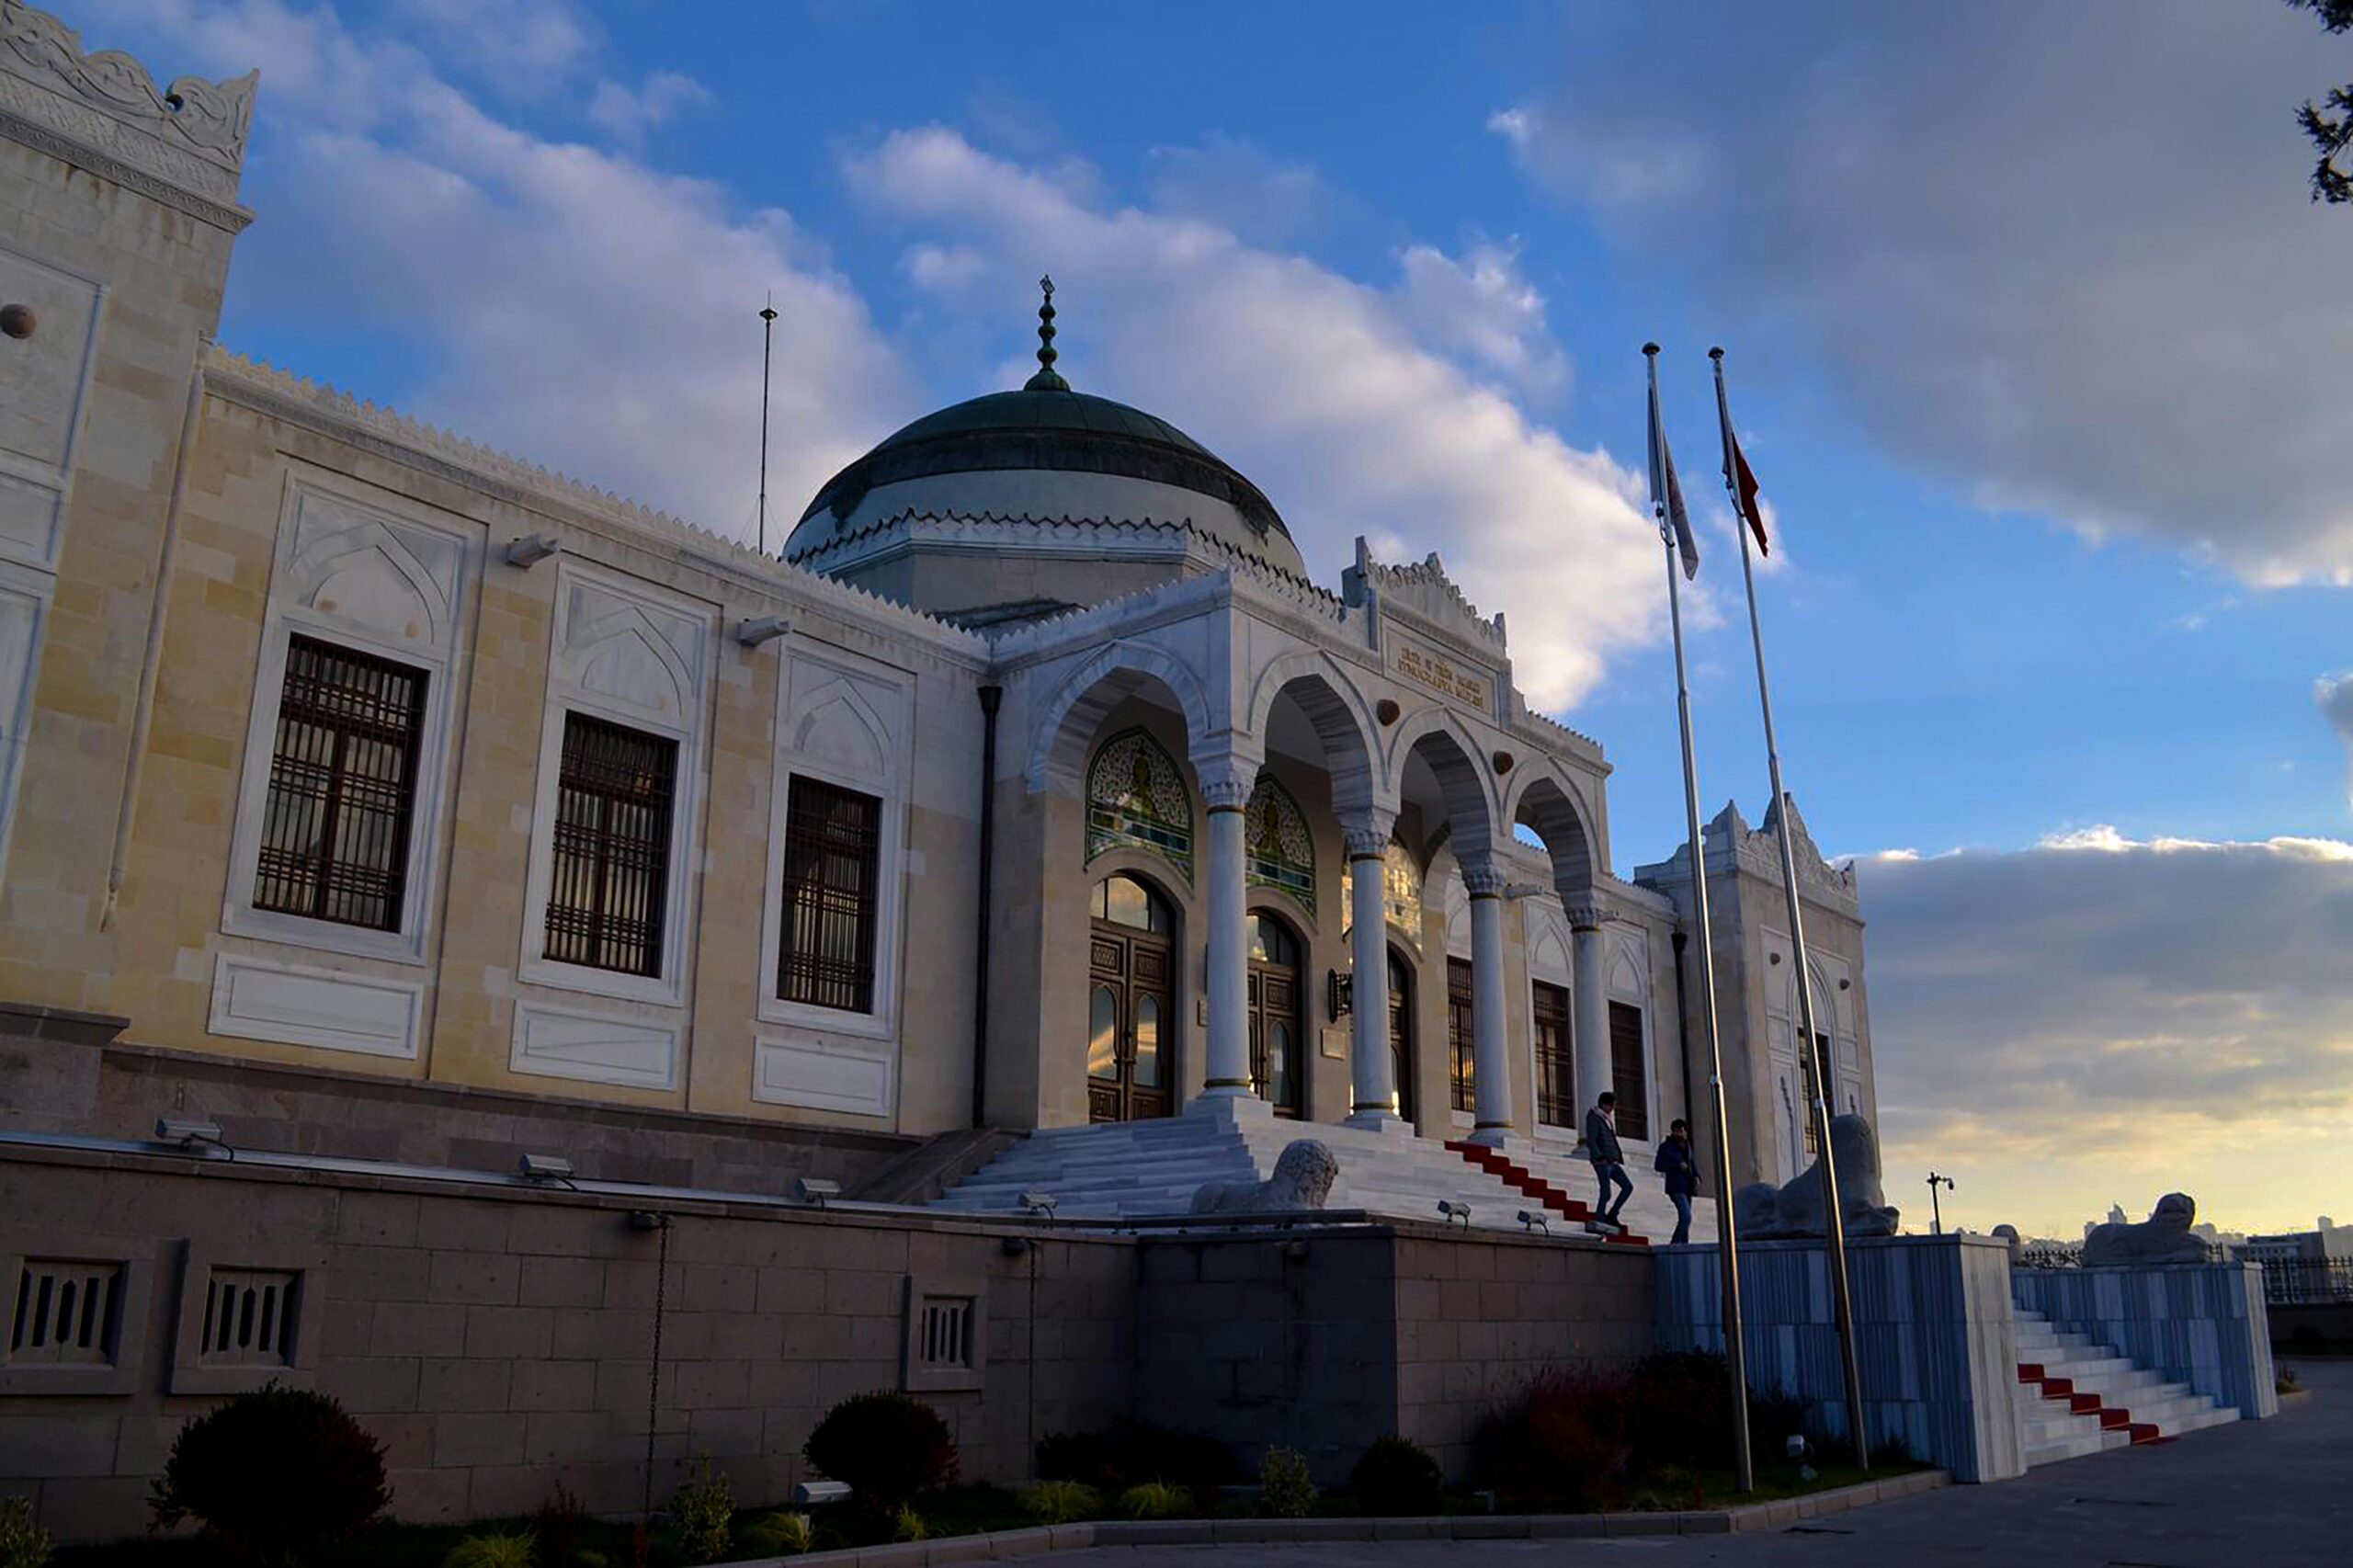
(1439, 675)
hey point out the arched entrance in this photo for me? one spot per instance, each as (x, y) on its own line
(1130, 1008)
(1401, 1032)
(1277, 1065)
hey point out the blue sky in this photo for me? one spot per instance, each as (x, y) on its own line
(2033, 343)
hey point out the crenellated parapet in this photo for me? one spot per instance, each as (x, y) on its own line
(1424, 588)
(183, 144)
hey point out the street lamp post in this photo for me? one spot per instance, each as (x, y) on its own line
(1935, 1209)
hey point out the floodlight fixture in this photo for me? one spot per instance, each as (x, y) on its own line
(816, 1192)
(191, 1135)
(1535, 1220)
(545, 1169)
(757, 630)
(648, 1219)
(1039, 1205)
(531, 549)
(1453, 1211)
(814, 1491)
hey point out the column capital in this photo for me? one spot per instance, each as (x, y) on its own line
(1587, 917)
(1227, 779)
(1482, 879)
(1367, 833)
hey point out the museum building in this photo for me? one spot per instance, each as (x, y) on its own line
(369, 795)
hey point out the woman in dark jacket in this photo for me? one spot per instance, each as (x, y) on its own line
(1677, 1163)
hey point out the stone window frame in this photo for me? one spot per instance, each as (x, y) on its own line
(569, 691)
(136, 1259)
(914, 1377)
(1629, 954)
(390, 521)
(198, 1260)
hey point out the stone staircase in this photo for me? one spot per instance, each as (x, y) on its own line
(1150, 1169)
(2077, 1398)
(1647, 1215)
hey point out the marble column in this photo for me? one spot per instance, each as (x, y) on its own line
(1373, 1098)
(1592, 1007)
(1490, 1052)
(1229, 957)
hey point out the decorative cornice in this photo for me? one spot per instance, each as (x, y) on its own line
(340, 416)
(1425, 589)
(105, 107)
(16, 127)
(1731, 844)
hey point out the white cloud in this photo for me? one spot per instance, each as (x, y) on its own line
(523, 45)
(1234, 184)
(630, 114)
(2100, 1019)
(1481, 304)
(1315, 385)
(2334, 696)
(568, 303)
(2063, 254)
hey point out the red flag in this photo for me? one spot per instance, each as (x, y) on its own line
(1744, 488)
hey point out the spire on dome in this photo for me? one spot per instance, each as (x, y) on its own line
(1047, 379)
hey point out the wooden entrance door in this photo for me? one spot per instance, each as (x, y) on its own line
(1277, 1061)
(1401, 1032)
(1130, 1004)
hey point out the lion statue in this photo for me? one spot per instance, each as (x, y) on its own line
(2009, 1235)
(1766, 1213)
(2163, 1237)
(1302, 1179)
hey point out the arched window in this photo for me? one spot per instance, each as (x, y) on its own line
(1277, 1026)
(1136, 797)
(1131, 1010)
(1281, 853)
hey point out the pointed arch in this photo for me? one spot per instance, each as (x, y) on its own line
(368, 549)
(1070, 720)
(1543, 796)
(1136, 797)
(840, 728)
(1465, 775)
(1319, 685)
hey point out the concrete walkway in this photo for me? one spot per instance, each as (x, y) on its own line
(2253, 1495)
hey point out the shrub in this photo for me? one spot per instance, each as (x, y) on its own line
(558, 1527)
(888, 1447)
(23, 1544)
(1134, 1452)
(273, 1475)
(704, 1510)
(1155, 1499)
(1678, 1411)
(781, 1535)
(1284, 1490)
(1397, 1477)
(1559, 1446)
(1062, 1501)
(493, 1551)
(906, 1524)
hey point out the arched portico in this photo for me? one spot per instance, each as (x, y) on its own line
(1065, 725)
(1546, 801)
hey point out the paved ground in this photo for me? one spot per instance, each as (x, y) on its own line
(2254, 1494)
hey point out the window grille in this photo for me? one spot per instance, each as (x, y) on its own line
(1281, 851)
(1461, 1033)
(944, 1335)
(833, 850)
(611, 877)
(1556, 1100)
(1136, 797)
(66, 1313)
(249, 1317)
(342, 787)
(1626, 1070)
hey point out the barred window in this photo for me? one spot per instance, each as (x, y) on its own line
(1556, 1100)
(1626, 1070)
(612, 848)
(833, 846)
(342, 787)
(1462, 1034)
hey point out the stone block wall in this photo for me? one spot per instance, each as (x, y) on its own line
(1935, 1339)
(2200, 1323)
(498, 1340)
(1325, 1342)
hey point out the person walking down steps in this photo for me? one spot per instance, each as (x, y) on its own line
(1681, 1168)
(1608, 1159)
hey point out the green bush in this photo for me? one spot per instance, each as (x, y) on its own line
(781, 1535)
(1559, 1447)
(1155, 1499)
(493, 1551)
(1062, 1501)
(273, 1476)
(23, 1543)
(1136, 1451)
(1284, 1490)
(703, 1508)
(888, 1449)
(906, 1524)
(1397, 1478)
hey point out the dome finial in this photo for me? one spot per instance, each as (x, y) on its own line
(1046, 379)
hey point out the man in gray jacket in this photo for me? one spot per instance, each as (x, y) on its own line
(1608, 1159)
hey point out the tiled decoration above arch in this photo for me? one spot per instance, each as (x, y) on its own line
(1281, 851)
(1136, 799)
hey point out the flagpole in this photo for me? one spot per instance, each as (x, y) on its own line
(1727, 1240)
(1842, 1298)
